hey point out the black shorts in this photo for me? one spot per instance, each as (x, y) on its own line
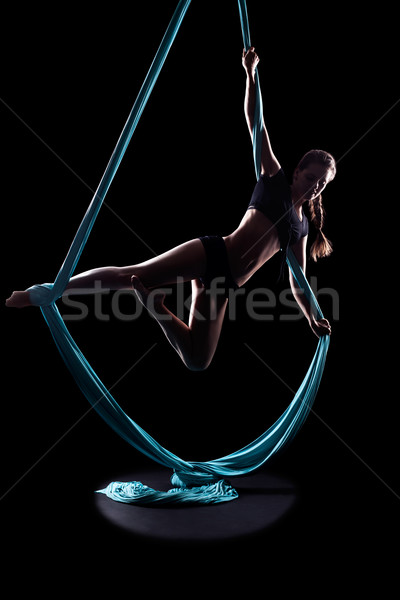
(217, 265)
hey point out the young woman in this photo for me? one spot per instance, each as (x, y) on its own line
(273, 221)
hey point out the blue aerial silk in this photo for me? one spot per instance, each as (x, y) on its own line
(194, 482)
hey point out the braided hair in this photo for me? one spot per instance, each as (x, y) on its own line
(321, 246)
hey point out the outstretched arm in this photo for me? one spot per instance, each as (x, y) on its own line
(319, 326)
(269, 163)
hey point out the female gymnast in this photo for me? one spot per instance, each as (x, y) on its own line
(273, 221)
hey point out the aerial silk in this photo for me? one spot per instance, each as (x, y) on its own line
(193, 482)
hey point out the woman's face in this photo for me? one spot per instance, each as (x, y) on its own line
(311, 181)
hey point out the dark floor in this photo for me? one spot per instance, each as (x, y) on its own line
(329, 518)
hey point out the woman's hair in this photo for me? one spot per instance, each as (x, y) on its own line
(321, 246)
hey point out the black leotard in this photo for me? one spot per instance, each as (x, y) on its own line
(217, 264)
(272, 196)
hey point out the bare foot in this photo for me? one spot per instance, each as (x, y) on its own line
(18, 300)
(151, 299)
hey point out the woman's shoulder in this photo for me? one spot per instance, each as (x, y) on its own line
(277, 173)
(277, 179)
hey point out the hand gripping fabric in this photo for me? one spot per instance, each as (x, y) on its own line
(194, 482)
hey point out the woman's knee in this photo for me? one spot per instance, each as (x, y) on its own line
(198, 362)
(197, 365)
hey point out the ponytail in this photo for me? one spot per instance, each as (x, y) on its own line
(321, 246)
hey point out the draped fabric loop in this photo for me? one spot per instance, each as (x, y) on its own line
(194, 482)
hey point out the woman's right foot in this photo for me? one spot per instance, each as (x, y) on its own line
(18, 300)
(152, 300)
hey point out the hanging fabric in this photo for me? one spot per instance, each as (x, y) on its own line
(194, 482)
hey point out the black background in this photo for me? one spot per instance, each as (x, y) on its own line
(70, 76)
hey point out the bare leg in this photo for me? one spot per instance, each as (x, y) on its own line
(186, 261)
(195, 343)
